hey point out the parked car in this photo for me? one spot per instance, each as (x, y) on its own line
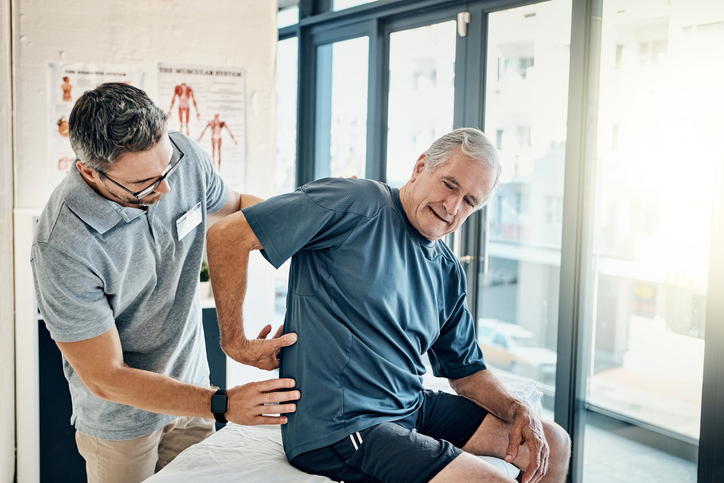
(514, 349)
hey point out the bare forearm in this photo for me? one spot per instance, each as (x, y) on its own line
(154, 392)
(247, 404)
(229, 244)
(487, 391)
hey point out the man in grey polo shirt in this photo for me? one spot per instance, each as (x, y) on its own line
(116, 261)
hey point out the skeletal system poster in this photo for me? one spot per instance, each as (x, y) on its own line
(66, 83)
(208, 104)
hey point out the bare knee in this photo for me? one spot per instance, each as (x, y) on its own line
(559, 443)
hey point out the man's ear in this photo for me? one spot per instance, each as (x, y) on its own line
(88, 173)
(419, 167)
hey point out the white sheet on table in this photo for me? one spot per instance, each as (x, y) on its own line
(236, 454)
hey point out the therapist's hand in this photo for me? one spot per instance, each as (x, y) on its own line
(262, 352)
(253, 403)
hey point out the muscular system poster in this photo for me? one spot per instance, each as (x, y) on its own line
(66, 82)
(208, 104)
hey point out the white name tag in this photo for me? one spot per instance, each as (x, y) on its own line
(188, 221)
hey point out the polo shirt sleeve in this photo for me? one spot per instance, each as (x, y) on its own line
(69, 295)
(301, 220)
(455, 353)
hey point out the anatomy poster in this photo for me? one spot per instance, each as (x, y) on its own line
(66, 82)
(208, 104)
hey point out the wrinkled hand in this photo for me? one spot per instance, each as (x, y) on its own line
(252, 403)
(528, 431)
(262, 352)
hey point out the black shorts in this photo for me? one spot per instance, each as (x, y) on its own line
(411, 450)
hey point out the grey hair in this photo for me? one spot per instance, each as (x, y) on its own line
(474, 144)
(111, 120)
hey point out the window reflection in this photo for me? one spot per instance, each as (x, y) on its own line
(657, 152)
(343, 4)
(288, 13)
(526, 109)
(422, 90)
(342, 108)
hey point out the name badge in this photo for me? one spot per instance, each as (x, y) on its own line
(188, 221)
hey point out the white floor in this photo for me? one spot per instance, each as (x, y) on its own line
(609, 458)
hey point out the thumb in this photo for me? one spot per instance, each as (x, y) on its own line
(286, 340)
(512, 451)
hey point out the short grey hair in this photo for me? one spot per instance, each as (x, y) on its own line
(111, 120)
(474, 144)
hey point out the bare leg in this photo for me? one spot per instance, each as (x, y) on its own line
(491, 439)
(219, 149)
(186, 113)
(467, 467)
(215, 156)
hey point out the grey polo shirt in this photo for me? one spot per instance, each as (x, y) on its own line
(96, 264)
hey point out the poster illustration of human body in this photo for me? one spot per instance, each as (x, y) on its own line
(67, 82)
(208, 104)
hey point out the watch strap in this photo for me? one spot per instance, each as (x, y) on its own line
(217, 399)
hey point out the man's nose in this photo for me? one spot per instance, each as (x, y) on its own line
(164, 187)
(452, 205)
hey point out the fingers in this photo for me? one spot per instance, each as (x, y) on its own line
(270, 420)
(280, 331)
(273, 385)
(280, 409)
(538, 462)
(264, 332)
(264, 353)
(259, 402)
(533, 473)
(514, 440)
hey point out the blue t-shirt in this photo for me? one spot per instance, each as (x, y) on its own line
(368, 296)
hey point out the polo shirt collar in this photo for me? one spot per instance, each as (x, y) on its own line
(95, 210)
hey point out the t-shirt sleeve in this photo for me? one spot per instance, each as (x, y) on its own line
(455, 353)
(69, 295)
(296, 221)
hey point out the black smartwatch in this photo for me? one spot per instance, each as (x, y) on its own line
(219, 405)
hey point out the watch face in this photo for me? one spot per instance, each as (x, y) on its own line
(218, 403)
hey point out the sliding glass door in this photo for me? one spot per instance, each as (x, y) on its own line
(525, 116)
(658, 149)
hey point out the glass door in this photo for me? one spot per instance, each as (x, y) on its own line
(658, 149)
(525, 116)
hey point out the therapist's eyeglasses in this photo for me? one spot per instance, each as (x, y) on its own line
(178, 155)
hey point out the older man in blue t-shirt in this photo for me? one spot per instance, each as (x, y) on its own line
(372, 288)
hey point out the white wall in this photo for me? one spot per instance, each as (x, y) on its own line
(130, 32)
(7, 371)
